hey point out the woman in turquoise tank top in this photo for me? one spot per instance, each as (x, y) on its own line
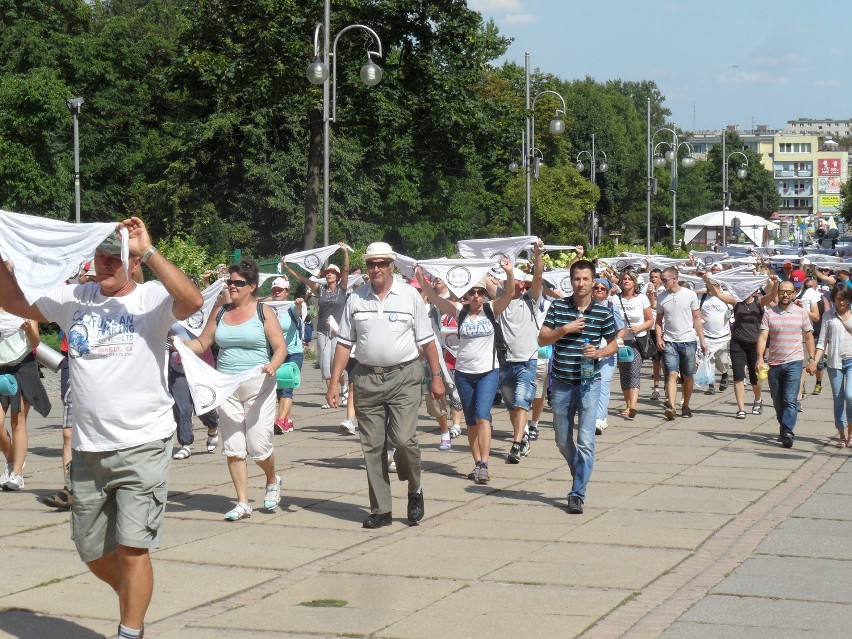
(246, 418)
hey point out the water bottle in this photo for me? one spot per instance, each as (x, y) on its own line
(587, 365)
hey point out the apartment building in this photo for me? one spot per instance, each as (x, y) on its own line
(808, 126)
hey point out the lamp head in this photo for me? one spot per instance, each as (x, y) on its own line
(74, 103)
(371, 73)
(670, 155)
(688, 162)
(580, 166)
(317, 72)
(741, 173)
(557, 126)
(659, 161)
(513, 167)
(602, 167)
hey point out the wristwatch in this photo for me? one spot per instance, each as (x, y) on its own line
(147, 255)
(437, 374)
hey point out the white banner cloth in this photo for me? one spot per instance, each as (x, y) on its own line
(621, 263)
(495, 247)
(312, 259)
(195, 323)
(405, 265)
(459, 275)
(45, 252)
(207, 386)
(560, 279)
(739, 285)
(708, 257)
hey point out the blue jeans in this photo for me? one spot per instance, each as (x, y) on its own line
(297, 359)
(606, 366)
(517, 383)
(568, 400)
(679, 357)
(477, 392)
(841, 390)
(784, 382)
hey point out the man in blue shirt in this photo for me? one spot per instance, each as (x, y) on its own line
(575, 325)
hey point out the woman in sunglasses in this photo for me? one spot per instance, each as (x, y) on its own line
(477, 371)
(635, 311)
(248, 334)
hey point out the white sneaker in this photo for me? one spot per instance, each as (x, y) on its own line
(13, 482)
(273, 494)
(7, 468)
(655, 393)
(604, 425)
(598, 427)
(455, 431)
(347, 427)
(391, 462)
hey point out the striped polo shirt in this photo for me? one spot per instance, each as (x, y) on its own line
(785, 333)
(567, 351)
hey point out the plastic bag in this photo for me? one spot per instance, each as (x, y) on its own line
(705, 374)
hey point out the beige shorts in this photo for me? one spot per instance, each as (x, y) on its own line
(247, 417)
(119, 497)
(541, 378)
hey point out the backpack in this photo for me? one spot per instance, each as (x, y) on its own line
(499, 342)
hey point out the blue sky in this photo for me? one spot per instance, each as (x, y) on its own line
(718, 62)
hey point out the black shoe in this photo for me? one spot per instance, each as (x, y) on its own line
(686, 412)
(415, 507)
(787, 439)
(514, 456)
(525, 446)
(377, 521)
(800, 407)
(723, 382)
(710, 390)
(575, 505)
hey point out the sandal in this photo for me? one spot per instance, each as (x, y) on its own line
(757, 407)
(182, 453)
(61, 500)
(212, 441)
(841, 443)
(632, 413)
(241, 511)
(741, 414)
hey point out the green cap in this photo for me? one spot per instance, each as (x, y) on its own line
(112, 244)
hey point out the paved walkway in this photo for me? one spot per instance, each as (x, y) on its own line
(698, 528)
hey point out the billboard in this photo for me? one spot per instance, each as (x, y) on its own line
(829, 166)
(828, 184)
(829, 203)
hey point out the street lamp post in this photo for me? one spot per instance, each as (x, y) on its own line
(593, 168)
(741, 173)
(317, 72)
(75, 105)
(532, 156)
(671, 156)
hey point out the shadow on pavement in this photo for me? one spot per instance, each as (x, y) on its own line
(25, 623)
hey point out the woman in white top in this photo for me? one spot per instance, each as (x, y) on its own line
(835, 340)
(635, 311)
(477, 372)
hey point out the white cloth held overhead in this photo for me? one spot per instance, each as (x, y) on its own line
(313, 259)
(195, 323)
(45, 251)
(495, 247)
(405, 265)
(207, 386)
(560, 279)
(459, 275)
(739, 285)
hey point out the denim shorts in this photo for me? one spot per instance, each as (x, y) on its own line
(679, 357)
(517, 383)
(477, 392)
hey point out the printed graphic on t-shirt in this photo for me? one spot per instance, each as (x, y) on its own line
(479, 327)
(95, 335)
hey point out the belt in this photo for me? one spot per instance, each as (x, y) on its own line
(378, 370)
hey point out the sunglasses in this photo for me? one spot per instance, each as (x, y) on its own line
(600, 288)
(477, 291)
(665, 279)
(380, 264)
(780, 293)
(237, 283)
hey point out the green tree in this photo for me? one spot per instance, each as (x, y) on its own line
(755, 194)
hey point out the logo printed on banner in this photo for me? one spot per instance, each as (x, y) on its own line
(206, 395)
(565, 284)
(458, 276)
(620, 265)
(196, 320)
(708, 260)
(312, 262)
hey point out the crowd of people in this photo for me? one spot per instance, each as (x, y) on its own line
(504, 331)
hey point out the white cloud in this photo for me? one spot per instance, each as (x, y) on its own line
(751, 78)
(496, 6)
(520, 18)
(828, 83)
(781, 60)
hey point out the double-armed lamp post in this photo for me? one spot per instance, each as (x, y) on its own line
(594, 167)
(741, 173)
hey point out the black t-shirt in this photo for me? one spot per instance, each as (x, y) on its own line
(747, 316)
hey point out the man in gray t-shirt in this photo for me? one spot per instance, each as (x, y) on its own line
(678, 326)
(520, 327)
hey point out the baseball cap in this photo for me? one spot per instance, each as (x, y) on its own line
(89, 269)
(797, 277)
(331, 267)
(112, 244)
(786, 264)
(281, 282)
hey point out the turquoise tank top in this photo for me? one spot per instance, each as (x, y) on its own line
(242, 346)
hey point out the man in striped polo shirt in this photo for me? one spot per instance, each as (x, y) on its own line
(783, 326)
(576, 325)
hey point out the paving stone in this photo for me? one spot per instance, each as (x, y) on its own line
(808, 538)
(648, 529)
(695, 499)
(823, 506)
(692, 630)
(808, 579)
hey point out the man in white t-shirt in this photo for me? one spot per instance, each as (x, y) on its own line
(809, 298)
(716, 322)
(678, 328)
(123, 422)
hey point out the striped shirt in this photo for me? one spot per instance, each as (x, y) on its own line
(785, 333)
(568, 350)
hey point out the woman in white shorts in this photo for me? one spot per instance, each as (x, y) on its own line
(246, 418)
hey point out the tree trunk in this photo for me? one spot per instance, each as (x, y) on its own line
(315, 126)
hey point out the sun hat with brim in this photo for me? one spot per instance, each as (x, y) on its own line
(112, 244)
(280, 282)
(379, 251)
(479, 284)
(331, 268)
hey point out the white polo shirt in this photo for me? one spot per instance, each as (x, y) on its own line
(385, 332)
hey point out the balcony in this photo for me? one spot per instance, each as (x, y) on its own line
(783, 174)
(804, 173)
